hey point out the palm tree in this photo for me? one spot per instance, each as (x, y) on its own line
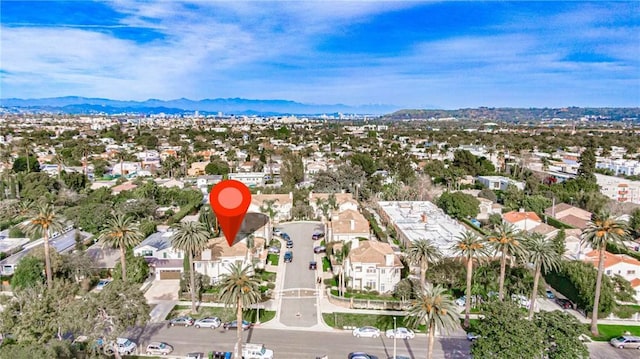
(542, 254)
(602, 230)
(422, 252)
(192, 238)
(437, 310)
(469, 246)
(340, 258)
(268, 207)
(506, 240)
(240, 288)
(44, 220)
(121, 232)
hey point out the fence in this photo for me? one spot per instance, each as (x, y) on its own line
(355, 303)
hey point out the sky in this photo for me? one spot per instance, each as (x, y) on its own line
(410, 54)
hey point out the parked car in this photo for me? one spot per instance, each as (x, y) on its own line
(234, 324)
(289, 244)
(159, 348)
(564, 303)
(369, 332)
(124, 346)
(313, 265)
(317, 235)
(208, 322)
(521, 300)
(181, 321)
(274, 250)
(550, 294)
(285, 236)
(102, 283)
(288, 256)
(319, 249)
(471, 336)
(195, 356)
(626, 341)
(277, 231)
(400, 333)
(361, 355)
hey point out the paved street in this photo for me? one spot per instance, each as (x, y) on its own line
(297, 344)
(606, 351)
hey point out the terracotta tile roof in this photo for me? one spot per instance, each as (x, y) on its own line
(610, 259)
(373, 252)
(543, 229)
(559, 208)
(574, 221)
(515, 216)
(635, 282)
(345, 219)
(127, 186)
(281, 199)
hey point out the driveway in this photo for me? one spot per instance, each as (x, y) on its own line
(163, 290)
(299, 290)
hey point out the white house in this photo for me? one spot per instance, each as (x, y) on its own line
(373, 266)
(165, 261)
(635, 284)
(524, 221)
(499, 182)
(215, 260)
(278, 206)
(334, 202)
(621, 264)
(250, 179)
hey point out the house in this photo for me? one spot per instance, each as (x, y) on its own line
(568, 214)
(170, 182)
(621, 264)
(635, 284)
(348, 226)
(373, 266)
(205, 182)
(277, 206)
(499, 183)
(197, 168)
(215, 260)
(165, 261)
(549, 232)
(103, 257)
(127, 186)
(575, 247)
(524, 221)
(250, 179)
(487, 207)
(331, 203)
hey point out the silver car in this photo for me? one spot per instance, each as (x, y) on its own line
(208, 322)
(159, 348)
(369, 332)
(626, 341)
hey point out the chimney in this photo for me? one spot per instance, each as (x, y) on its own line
(291, 196)
(388, 260)
(521, 210)
(353, 224)
(424, 217)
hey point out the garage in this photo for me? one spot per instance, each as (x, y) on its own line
(170, 274)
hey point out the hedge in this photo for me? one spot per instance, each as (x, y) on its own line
(184, 211)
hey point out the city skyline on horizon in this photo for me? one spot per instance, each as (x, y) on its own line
(445, 55)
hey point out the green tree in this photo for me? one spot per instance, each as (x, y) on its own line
(217, 167)
(192, 238)
(459, 205)
(137, 268)
(25, 164)
(292, 170)
(634, 222)
(469, 247)
(541, 253)
(506, 334)
(241, 289)
(28, 273)
(602, 230)
(559, 242)
(422, 252)
(561, 332)
(587, 164)
(365, 161)
(121, 232)
(436, 310)
(44, 221)
(505, 240)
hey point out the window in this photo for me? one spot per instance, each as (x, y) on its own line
(383, 271)
(608, 271)
(358, 269)
(164, 255)
(631, 271)
(371, 270)
(371, 284)
(147, 253)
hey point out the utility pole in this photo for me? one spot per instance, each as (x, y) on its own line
(394, 337)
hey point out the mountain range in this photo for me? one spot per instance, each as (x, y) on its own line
(227, 106)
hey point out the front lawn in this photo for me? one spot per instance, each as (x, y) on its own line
(611, 331)
(380, 321)
(273, 259)
(372, 296)
(326, 264)
(224, 313)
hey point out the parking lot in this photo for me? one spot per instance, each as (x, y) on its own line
(602, 350)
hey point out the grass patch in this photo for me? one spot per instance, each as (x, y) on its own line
(273, 259)
(611, 331)
(326, 264)
(372, 296)
(266, 276)
(380, 321)
(224, 313)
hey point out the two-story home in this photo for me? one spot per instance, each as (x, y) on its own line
(348, 226)
(215, 260)
(524, 221)
(499, 182)
(165, 261)
(276, 206)
(197, 168)
(621, 264)
(568, 214)
(373, 266)
(331, 203)
(487, 207)
(250, 179)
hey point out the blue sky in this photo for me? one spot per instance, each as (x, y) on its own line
(413, 54)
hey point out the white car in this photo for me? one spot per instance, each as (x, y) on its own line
(208, 322)
(370, 332)
(159, 348)
(123, 345)
(521, 300)
(400, 333)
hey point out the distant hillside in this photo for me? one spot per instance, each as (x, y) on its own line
(519, 114)
(237, 106)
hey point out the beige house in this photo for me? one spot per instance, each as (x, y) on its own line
(197, 168)
(348, 226)
(487, 208)
(215, 260)
(573, 216)
(334, 202)
(127, 186)
(373, 266)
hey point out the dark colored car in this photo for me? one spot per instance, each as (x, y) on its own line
(285, 236)
(183, 321)
(288, 256)
(360, 355)
(313, 265)
(289, 244)
(317, 236)
(319, 249)
(234, 325)
(564, 303)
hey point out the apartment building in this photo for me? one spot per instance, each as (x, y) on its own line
(619, 189)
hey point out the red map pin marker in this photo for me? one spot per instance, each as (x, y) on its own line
(230, 201)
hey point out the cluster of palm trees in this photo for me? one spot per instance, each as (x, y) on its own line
(509, 244)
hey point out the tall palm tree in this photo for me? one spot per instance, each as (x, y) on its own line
(191, 238)
(469, 246)
(542, 254)
(421, 253)
(121, 232)
(340, 258)
(240, 288)
(506, 240)
(437, 310)
(602, 229)
(268, 208)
